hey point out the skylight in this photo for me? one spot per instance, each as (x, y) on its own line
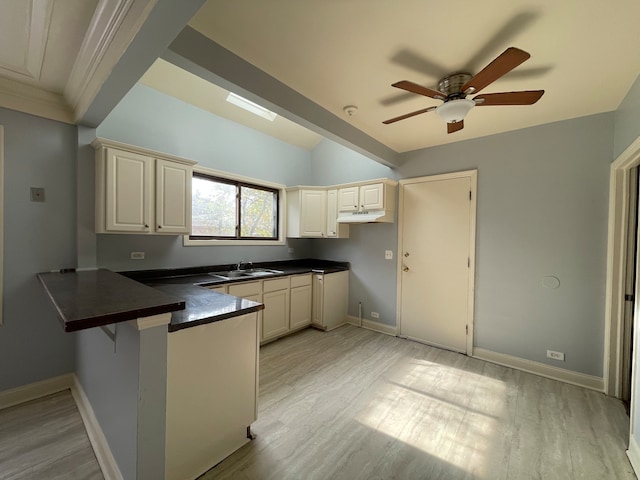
(249, 106)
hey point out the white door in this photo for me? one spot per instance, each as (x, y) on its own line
(436, 247)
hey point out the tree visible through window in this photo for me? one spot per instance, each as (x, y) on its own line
(227, 209)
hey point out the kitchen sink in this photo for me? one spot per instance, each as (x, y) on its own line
(251, 273)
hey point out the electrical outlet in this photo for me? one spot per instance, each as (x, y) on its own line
(290, 250)
(375, 315)
(388, 255)
(137, 255)
(555, 355)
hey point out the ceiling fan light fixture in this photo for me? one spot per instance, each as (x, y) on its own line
(455, 110)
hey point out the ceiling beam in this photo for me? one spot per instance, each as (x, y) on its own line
(205, 58)
(145, 41)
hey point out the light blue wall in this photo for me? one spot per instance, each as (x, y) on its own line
(627, 120)
(627, 130)
(542, 210)
(37, 237)
(150, 119)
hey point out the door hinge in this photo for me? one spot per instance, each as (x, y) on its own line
(629, 297)
(466, 329)
(468, 262)
(469, 195)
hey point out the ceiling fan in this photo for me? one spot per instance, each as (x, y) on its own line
(453, 90)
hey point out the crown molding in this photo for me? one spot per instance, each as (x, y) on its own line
(19, 96)
(114, 25)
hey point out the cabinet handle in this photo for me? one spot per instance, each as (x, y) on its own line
(361, 206)
(159, 227)
(355, 206)
(146, 226)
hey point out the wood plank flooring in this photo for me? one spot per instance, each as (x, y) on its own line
(45, 440)
(355, 404)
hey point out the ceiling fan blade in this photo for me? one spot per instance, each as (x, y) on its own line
(505, 62)
(407, 115)
(419, 89)
(528, 97)
(455, 126)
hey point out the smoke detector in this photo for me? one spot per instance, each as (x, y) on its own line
(350, 110)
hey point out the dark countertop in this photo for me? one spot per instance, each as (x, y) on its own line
(204, 305)
(93, 298)
(86, 299)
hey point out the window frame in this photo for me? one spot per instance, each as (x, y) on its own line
(241, 181)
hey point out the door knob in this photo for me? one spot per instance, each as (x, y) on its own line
(406, 254)
(405, 269)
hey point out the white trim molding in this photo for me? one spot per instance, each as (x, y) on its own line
(19, 96)
(33, 391)
(616, 265)
(99, 442)
(548, 371)
(114, 25)
(372, 325)
(633, 453)
(153, 321)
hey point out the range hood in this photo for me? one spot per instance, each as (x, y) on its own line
(369, 216)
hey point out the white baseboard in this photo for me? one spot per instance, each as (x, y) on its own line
(107, 462)
(26, 393)
(371, 325)
(634, 455)
(541, 369)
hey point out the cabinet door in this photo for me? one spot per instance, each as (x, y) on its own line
(348, 199)
(332, 213)
(313, 213)
(275, 316)
(173, 197)
(300, 312)
(128, 191)
(372, 197)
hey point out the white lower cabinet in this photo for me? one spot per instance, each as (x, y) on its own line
(330, 299)
(300, 302)
(275, 316)
(287, 303)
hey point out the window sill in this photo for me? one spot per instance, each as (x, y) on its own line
(187, 242)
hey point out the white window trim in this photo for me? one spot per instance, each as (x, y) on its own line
(282, 202)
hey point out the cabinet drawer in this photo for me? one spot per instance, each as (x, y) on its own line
(244, 289)
(275, 284)
(300, 280)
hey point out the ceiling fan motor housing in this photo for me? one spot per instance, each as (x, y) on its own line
(452, 85)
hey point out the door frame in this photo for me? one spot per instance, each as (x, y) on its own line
(473, 176)
(616, 266)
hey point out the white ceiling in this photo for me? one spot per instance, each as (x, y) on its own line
(583, 54)
(55, 56)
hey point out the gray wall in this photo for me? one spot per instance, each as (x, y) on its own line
(37, 237)
(627, 130)
(372, 279)
(150, 119)
(627, 120)
(542, 210)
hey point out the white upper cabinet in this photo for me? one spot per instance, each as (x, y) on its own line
(306, 212)
(334, 229)
(138, 191)
(127, 191)
(361, 198)
(173, 197)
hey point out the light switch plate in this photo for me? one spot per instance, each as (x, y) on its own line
(388, 255)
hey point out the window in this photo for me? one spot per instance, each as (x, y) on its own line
(228, 209)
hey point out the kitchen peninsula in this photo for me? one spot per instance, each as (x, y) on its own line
(166, 359)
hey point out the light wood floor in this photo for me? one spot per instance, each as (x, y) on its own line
(354, 404)
(45, 440)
